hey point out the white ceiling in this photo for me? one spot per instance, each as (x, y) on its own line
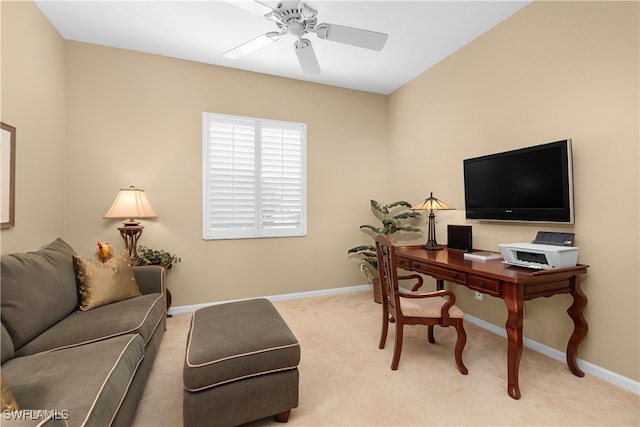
(421, 33)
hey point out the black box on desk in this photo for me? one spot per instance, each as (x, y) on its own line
(459, 237)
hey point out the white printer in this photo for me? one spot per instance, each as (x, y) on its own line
(546, 252)
(533, 255)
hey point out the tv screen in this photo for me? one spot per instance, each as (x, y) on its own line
(528, 184)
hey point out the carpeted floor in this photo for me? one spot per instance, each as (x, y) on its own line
(345, 380)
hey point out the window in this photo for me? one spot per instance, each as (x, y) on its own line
(254, 177)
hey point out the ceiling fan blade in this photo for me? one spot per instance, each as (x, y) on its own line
(353, 36)
(253, 6)
(307, 57)
(252, 45)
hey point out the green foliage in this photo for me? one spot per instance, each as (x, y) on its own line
(393, 217)
(148, 256)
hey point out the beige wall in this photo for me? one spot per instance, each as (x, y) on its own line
(554, 70)
(136, 119)
(33, 101)
(93, 119)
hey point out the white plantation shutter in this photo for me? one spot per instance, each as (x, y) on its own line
(282, 203)
(254, 178)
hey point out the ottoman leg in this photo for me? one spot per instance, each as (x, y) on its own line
(283, 417)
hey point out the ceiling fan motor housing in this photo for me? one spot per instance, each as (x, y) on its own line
(294, 18)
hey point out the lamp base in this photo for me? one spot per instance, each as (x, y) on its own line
(432, 245)
(130, 235)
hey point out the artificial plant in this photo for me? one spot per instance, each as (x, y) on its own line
(148, 256)
(393, 217)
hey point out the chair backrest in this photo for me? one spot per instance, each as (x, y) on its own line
(388, 271)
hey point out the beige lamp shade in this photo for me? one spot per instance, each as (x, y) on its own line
(130, 203)
(432, 203)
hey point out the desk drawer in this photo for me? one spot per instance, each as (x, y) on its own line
(440, 273)
(484, 285)
(404, 263)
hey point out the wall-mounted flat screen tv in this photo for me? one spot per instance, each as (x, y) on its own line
(527, 184)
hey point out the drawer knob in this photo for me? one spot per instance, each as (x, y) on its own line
(481, 284)
(454, 275)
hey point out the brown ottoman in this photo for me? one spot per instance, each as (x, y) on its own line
(241, 365)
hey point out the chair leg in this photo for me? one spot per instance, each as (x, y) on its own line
(430, 335)
(385, 325)
(397, 349)
(460, 343)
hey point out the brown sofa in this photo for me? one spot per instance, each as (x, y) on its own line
(70, 367)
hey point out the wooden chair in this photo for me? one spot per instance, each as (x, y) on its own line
(424, 308)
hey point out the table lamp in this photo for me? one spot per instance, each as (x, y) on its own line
(131, 203)
(431, 204)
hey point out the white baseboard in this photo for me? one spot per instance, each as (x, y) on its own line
(283, 297)
(587, 367)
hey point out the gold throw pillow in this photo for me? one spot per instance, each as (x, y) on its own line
(8, 402)
(103, 283)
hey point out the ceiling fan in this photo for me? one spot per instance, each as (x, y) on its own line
(298, 19)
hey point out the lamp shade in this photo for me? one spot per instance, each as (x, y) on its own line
(432, 203)
(130, 203)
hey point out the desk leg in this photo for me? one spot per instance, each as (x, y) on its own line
(580, 326)
(439, 287)
(513, 298)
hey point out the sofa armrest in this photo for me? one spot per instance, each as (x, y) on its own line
(150, 278)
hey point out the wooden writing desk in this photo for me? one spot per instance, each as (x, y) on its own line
(514, 285)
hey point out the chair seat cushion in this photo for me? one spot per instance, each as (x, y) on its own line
(237, 340)
(428, 307)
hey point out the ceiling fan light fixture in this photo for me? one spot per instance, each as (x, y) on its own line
(297, 29)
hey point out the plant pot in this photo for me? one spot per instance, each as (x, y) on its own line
(377, 290)
(168, 295)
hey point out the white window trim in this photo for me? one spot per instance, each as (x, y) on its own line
(259, 228)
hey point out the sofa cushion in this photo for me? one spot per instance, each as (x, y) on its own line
(103, 283)
(136, 315)
(7, 345)
(87, 383)
(38, 290)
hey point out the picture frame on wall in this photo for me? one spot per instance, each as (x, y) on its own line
(7, 176)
